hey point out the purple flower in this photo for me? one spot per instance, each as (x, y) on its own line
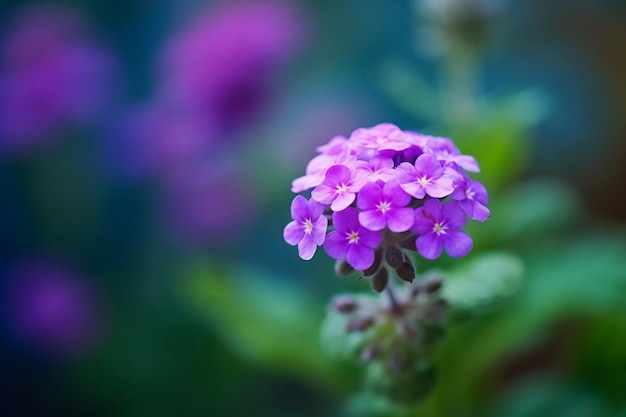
(207, 204)
(224, 62)
(51, 77)
(336, 152)
(384, 136)
(158, 138)
(445, 151)
(308, 228)
(50, 308)
(472, 197)
(378, 169)
(339, 187)
(351, 240)
(385, 206)
(438, 226)
(427, 176)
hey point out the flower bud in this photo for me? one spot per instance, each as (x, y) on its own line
(393, 256)
(433, 284)
(359, 324)
(409, 243)
(344, 304)
(397, 360)
(406, 271)
(380, 280)
(370, 352)
(342, 268)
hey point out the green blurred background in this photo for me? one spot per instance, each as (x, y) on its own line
(139, 278)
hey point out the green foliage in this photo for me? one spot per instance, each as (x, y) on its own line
(486, 281)
(266, 321)
(583, 278)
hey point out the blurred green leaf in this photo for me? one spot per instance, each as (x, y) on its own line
(339, 343)
(583, 278)
(483, 282)
(541, 397)
(265, 320)
(499, 136)
(528, 212)
(406, 87)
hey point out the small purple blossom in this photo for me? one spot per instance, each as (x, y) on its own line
(427, 176)
(385, 206)
(472, 197)
(438, 226)
(382, 137)
(445, 151)
(377, 169)
(351, 240)
(336, 152)
(339, 187)
(308, 228)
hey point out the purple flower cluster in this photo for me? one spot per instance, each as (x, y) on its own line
(52, 76)
(382, 190)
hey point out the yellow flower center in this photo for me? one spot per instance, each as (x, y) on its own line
(439, 228)
(423, 181)
(308, 226)
(353, 237)
(383, 206)
(341, 188)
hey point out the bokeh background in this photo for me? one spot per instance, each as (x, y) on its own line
(146, 155)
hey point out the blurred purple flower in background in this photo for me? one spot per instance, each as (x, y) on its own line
(50, 309)
(217, 75)
(206, 204)
(51, 77)
(224, 62)
(158, 138)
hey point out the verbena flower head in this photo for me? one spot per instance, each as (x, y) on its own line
(384, 189)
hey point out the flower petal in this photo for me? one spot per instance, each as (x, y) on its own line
(337, 174)
(324, 194)
(440, 187)
(400, 220)
(319, 230)
(307, 247)
(336, 245)
(395, 194)
(346, 220)
(369, 238)
(299, 208)
(429, 245)
(293, 233)
(342, 201)
(422, 221)
(369, 196)
(360, 257)
(372, 219)
(414, 189)
(454, 214)
(457, 243)
(315, 209)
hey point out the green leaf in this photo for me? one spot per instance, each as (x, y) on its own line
(265, 320)
(484, 282)
(339, 343)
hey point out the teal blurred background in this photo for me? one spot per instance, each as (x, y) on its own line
(146, 155)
